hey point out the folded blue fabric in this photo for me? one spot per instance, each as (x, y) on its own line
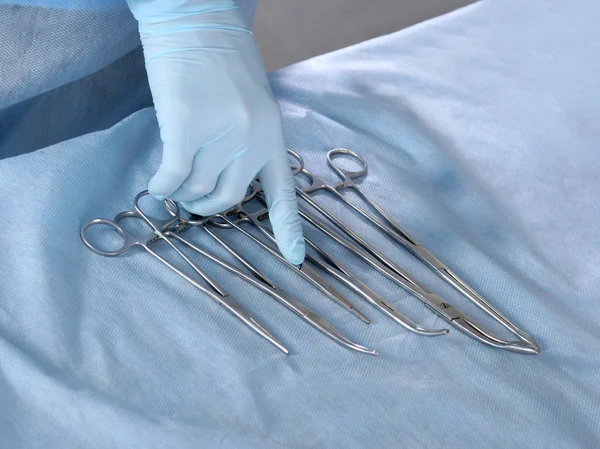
(481, 130)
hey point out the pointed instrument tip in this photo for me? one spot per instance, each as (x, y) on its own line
(535, 349)
(527, 339)
(282, 348)
(259, 329)
(362, 317)
(277, 343)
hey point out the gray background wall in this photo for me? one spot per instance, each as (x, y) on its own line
(293, 30)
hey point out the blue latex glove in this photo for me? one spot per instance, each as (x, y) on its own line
(219, 122)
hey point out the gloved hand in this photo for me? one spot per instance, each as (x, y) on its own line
(219, 122)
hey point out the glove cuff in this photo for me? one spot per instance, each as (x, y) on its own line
(159, 11)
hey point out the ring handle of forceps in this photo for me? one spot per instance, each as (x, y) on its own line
(200, 221)
(296, 168)
(157, 225)
(313, 182)
(253, 188)
(128, 239)
(347, 175)
(173, 208)
(222, 224)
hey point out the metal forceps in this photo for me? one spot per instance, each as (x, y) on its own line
(336, 269)
(327, 263)
(241, 215)
(260, 281)
(213, 291)
(527, 344)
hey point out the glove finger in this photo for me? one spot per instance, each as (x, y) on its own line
(231, 188)
(175, 167)
(208, 164)
(278, 185)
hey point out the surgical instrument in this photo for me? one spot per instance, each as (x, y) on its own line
(215, 292)
(402, 237)
(437, 304)
(449, 313)
(260, 281)
(344, 275)
(304, 270)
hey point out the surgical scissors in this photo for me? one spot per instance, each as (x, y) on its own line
(214, 291)
(402, 237)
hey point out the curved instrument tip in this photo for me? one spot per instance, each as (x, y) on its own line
(466, 325)
(430, 333)
(335, 334)
(359, 348)
(525, 349)
(406, 322)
